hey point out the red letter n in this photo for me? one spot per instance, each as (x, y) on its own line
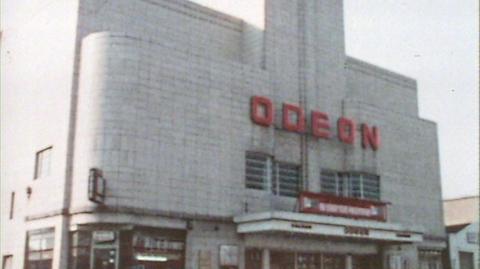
(320, 125)
(299, 124)
(346, 130)
(370, 137)
(261, 110)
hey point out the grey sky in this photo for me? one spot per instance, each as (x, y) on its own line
(434, 41)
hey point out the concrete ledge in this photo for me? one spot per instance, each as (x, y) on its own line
(300, 223)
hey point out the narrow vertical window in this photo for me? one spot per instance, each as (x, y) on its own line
(328, 182)
(371, 187)
(350, 184)
(12, 205)
(42, 163)
(257, 171)
(287, 180)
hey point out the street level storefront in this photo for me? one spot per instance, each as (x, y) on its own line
(124, 246)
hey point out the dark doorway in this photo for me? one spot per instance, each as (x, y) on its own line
(104, 258)
(282, 260)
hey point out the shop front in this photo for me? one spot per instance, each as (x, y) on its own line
(326, 233)
(117, 246)
(279, 259)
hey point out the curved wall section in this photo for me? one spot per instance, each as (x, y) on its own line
(168, 129)
(90, 125)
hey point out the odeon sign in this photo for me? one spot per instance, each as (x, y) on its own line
(263, 113)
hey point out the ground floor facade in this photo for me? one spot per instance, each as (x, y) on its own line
(269, 240)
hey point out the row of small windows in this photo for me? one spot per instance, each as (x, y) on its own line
(262, 172)
(356, 185)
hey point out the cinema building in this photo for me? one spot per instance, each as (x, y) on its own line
(163, 134)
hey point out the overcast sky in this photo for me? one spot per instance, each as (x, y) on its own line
(433, 41)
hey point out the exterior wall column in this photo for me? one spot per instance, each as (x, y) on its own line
(265, 258)
(348, 262)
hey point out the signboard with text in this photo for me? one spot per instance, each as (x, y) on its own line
(316, 123)
(327, 204)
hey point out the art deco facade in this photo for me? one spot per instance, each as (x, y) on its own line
(162, 134)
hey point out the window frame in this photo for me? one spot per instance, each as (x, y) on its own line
(40, 163)
(44, 234)
(276, 178)
(346, 180)
(271, 177)
(266, 182)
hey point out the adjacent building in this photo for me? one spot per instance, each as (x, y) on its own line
(461, 220)
(163, 134)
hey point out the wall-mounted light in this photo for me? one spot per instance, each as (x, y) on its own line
(29, 192)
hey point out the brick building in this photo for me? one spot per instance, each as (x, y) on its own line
(163, 134)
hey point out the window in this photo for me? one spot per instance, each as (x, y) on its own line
(40, 249)
(257, 171)
(42, 163)
(472, 237)
(12, 205)
(430, 259)
(371, 187)
(286, 179)
(263, 173)
(357, 185)
(80, 242)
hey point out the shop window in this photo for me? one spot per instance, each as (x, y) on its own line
(263, 173)
(430, 259)
(40, 249)
(333, 261)
(43, 163)
(81, 242)
(357, 185)
(308, 261)
(157, 250)
(253, 258)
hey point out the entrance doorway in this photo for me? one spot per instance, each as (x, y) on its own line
(282, 260)
(299, 260)
(366, 262)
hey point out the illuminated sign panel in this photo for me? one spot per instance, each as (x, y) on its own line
(294, 120)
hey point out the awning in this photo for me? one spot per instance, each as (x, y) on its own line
(310, 224)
